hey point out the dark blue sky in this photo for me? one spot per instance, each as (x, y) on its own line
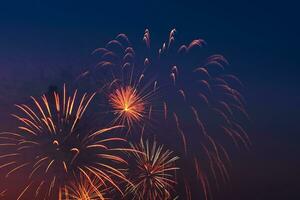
(260, 39)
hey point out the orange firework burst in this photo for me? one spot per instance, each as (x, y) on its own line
(130, 95)
(153, 173)
(56, 141)
(84, 189)
(128, 105)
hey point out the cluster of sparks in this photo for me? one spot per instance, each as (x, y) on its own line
(56, 145)
(127, 105)
(84, 189)
(80, 160)
(153, 173)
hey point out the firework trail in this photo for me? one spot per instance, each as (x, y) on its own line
(196, 97)
(127, 95)
(84, 189)
(56, 141)
(188, 92)
(153, 173)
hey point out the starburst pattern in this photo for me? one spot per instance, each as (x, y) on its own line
(153, 173)
(55, 140)
(128, 105)
(84, 189)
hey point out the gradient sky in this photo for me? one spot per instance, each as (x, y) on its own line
(261, 41)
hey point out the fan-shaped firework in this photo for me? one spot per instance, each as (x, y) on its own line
(198, 99)
(153, 173)
(84, 189)
(57, 140)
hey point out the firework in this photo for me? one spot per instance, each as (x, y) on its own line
(57, 139)
(199, 99)
(127, 94)
(130, 103)
(67, 156)
(84, 189)
(153, 173)
(127, 105)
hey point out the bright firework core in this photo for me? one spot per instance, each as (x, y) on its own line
(127, 104)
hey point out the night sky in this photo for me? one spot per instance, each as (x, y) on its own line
(260, 40)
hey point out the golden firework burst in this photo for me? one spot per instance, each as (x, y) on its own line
(153, 172)
(55, 140)
(84, 189)
(128, 105)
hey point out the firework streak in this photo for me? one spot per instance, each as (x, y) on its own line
(155, 103)
(200, 103)
(54, 144)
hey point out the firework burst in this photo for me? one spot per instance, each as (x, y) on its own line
(84, 189)
(197, 96)
(153, 173)
(128, 95)
(127, 105)
(130, 103)
(67, 156)
(57, 140)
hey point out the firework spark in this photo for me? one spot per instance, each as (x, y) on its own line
(131, 103)
(127, 105)
(196, 93)
(129, 96)
(196, 98)
(153, 173)
(84, 189)
(55, 140)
